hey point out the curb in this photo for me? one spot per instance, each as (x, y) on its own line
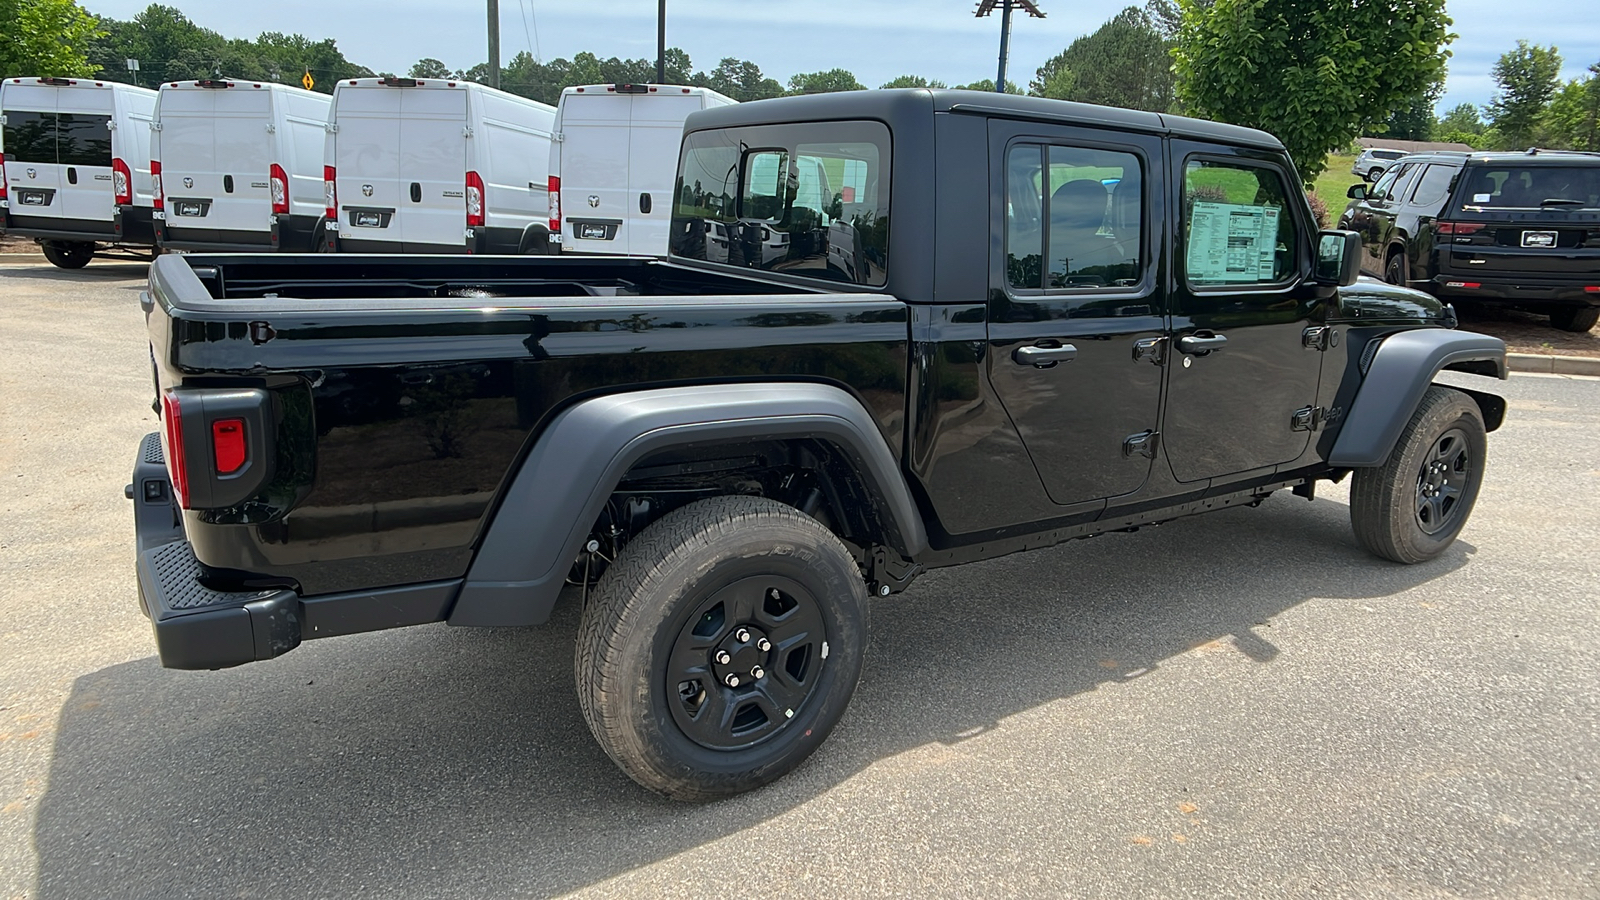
(1553, 365)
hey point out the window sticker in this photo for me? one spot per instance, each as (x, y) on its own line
(1481, 198)
(1230, 243)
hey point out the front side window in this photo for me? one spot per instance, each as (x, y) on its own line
(1237, 226)
(1074, 217)
(808, 200)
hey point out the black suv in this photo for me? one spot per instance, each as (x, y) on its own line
(1517, 229)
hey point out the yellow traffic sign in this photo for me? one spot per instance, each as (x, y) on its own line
(308, 81)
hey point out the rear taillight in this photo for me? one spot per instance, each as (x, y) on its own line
(158, 199)
(2, 176)
(1458, 227)
(555, 204)
(227, 445)
(172, 429)
(330, 194)
(121, 182)
(278, 182)
(474, 199)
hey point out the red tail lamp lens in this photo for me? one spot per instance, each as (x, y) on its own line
(227, 444)
(172, 427)
(1460, 227)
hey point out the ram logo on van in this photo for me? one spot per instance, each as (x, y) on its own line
(366, 190)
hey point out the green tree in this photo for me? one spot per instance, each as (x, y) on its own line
(1125, 62)
(1414, 120)
(45, 37)
(1528, 78)
(911, 81)
(987, 84)
(428, 67)
(1316, 73)
(1461, 119)
(1572, 120)
(824, 82)
(740, 79)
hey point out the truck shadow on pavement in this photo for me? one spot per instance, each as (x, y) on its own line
(440, 762)
(90, 274)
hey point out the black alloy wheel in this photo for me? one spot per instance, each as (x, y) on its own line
(1442, 481)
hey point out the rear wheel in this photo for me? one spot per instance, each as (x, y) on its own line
(721, 647)
(1374, 173)
(1575, 318)
(1413, 506)
(68, 254)
(1394, 271)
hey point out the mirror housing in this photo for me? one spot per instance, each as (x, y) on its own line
(1357, 192)
(1338, 258)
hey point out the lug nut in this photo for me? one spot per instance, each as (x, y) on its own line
(723, 658)
(757, 672)
(763, 645)
(742, 635)
(732, 680)
(775, 594)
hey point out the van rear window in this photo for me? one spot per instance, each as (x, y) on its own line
(71, 139)
(809, 200)
(1499, 186)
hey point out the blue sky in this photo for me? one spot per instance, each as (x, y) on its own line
(875, 39)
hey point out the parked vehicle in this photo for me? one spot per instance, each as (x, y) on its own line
(1511, 229)
(724, 454)
(75, 166)
(240, 166)
(615, 156)
(434, 165)
(1371, 162)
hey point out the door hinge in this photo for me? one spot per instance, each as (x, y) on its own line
(466, 131)
(1144, 444)
(1150, 349)
(1309, 418)
(1319, 337)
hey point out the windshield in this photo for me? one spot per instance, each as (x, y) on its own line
(1502, 186)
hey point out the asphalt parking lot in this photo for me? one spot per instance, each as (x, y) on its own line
(1237, 704)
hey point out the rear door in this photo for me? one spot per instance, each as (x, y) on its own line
(1527, 219)
(433, 168)
(595, 150)
(29, 143)
(366, 154)
(654, 135)
(215, 158)
(83, 154)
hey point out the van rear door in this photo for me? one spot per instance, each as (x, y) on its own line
(595, 147)
(433, 167)
(83, 154)
(29, 143)
(656, 130)
(215, 159)
(367, 163)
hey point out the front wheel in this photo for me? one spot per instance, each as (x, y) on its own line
(68, 255)
(1575, 318)
(721, 647)
(1412, 507)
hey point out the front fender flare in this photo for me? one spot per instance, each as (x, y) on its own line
(1401, 371)
(560, 489)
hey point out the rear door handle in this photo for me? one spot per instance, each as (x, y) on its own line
(1201, 344)
(1044, 357)
(416, 192)
(644, 204)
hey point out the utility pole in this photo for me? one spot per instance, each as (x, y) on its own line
(494, 44)
(661, 42)
(985, 7)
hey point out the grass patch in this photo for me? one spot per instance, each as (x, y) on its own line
(1335, 180)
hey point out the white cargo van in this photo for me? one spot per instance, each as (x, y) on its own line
(433, 165)
(614, 163)
(240, 166)
(75, 166)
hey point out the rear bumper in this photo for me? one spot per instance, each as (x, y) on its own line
(75, 230)
(197, 627)
(1563, 292)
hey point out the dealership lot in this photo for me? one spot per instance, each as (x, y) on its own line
(1236, 703)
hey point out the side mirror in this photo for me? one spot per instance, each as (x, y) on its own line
(1338, 258)
(1357, 192)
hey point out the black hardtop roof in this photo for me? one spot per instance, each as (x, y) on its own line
(891, 106)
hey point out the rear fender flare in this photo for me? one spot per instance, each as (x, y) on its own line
(1402, 369)
(562, 486)
(535, 240)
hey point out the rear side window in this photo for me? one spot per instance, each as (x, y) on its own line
(807, 200)
(29, 136)
(1237, 226)
(1502, 186)
(1433, 186)
(71, 139)
(1074, 217)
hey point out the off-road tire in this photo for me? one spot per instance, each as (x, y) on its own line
(1384, 500)
(1575, 318)
(74, 255)
(640, 613)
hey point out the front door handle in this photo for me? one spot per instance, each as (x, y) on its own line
(1044, 357)
(1200, 345)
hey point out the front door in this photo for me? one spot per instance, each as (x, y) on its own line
(1243, 365)
(1076, 313)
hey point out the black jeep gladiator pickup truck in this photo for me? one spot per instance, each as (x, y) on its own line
(897, 330)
